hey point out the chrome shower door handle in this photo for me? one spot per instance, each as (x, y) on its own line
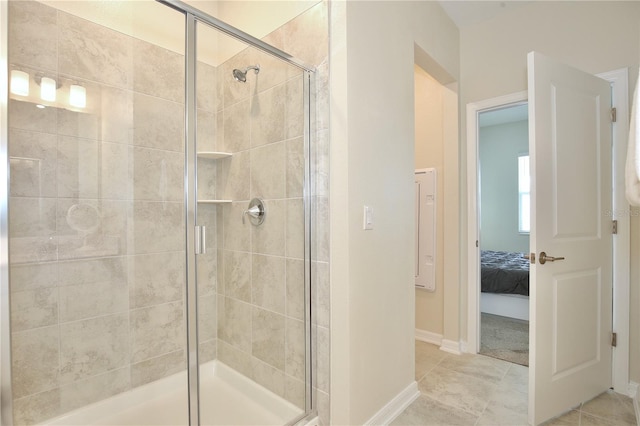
(256, 212)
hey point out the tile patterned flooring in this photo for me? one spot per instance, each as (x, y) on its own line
(478, 390)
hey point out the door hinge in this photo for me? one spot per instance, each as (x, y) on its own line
(614, 115)
(614, 227)
(477, 245)
(614, 339)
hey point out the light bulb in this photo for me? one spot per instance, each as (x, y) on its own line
(48, 89)
(19, 83)
(78, 96)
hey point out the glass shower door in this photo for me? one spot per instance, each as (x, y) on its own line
(96, 213)
(251, 165)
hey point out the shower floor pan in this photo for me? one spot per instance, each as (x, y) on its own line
(226, 398)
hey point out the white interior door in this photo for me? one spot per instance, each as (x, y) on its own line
(570, 299)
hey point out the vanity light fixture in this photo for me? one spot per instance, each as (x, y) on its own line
(48, 89)
(77, 96)
(19, 83)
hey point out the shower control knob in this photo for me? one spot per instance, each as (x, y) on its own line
(256, 212)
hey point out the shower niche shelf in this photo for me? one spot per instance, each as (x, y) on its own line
(214, 155)
(215, 201)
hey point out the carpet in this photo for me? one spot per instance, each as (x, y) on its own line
(504, 338)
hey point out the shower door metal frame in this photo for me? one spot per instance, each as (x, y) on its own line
(6, 397)
(194, 16)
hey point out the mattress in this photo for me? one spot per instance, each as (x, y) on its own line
(504, 272)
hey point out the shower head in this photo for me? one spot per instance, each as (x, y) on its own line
(241, 75)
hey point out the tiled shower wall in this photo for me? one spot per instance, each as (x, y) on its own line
(97, 308)
(97, 226)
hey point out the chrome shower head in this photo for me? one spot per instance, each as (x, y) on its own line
(241, 75)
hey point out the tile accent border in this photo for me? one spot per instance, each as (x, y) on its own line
(396, 406)
(428, 336)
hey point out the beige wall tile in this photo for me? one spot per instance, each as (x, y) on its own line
(273, 71)
(207, 135)
(35, 361)
(269, 237)
(268, 171)
(207, 317)
(156, 278)
(322, 294)
(34, 275)
(322, 96)
(33, 35)
(33, 249)
(93, 299)
(95, 388)
(23, 115)
(234, 323)
(158, 71)
(267, 116)
(268, 376)
(237, 275)
(158, 175)
(321, 167)
(117, 164)
(157, 227)
(294, 107)
(295, 167)
(93, 346)
(157, 330)
(85, 125)
(117, 115)
(295, 349)
(295, 228)
(37, 407)
(207, 351)
(324, 408)
(112, 269)
(235, 358)
(157, 368)
(268, 337)
(294, 391)
(295, 289)
(306, 37)
(236, 234)
(206, 86)
(159, 123)
(32, 217)
(94, 52)
(33, 163)
(207, 179)
(323, 361)
(78, 165)
(268, 282)
(237, 126)
(233, 177)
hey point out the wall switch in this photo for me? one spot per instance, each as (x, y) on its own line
(368, 218)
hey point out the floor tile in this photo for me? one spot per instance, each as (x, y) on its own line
(479, 366)
(425, 411)
(613, 406)
(572, 418)
(457, 390)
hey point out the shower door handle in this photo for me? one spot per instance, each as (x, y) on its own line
(200, 239)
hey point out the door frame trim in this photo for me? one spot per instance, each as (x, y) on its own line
(619, 80)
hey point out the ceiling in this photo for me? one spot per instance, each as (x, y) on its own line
(465, 13)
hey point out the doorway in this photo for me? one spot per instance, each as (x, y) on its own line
(618, 80)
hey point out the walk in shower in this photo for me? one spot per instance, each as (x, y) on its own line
(160, 208)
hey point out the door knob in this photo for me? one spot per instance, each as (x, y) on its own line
(543, 258)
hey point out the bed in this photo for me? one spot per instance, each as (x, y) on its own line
(504, 272)
(504, 284)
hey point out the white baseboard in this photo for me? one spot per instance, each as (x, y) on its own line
(396, 406)
(429, 337)
(634, 393)
(451, 346)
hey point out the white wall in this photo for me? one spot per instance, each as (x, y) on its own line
(500, 147)
(593, 36)
(372, 163)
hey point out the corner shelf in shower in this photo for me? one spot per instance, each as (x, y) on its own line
(214, 155)
(215, 201)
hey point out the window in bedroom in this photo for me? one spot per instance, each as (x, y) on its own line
(524, 212)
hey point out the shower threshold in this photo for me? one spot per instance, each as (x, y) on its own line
(226, 398)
